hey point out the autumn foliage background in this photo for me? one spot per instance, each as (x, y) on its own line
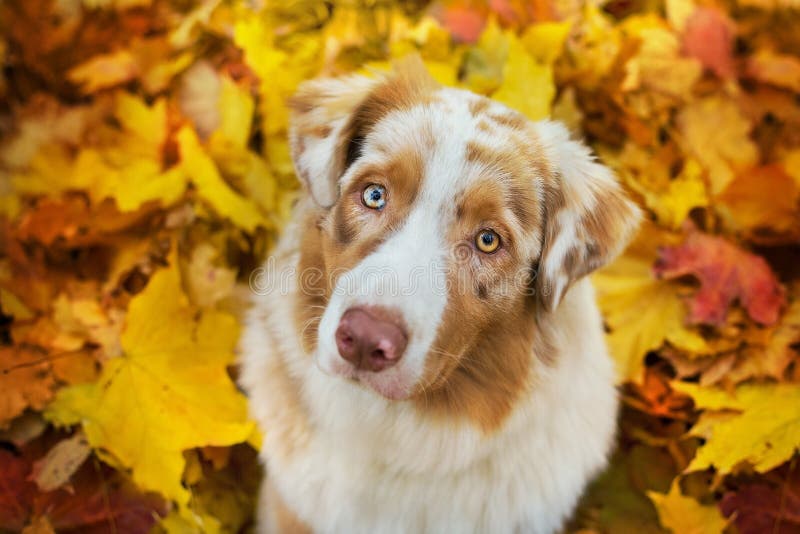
(144, 173)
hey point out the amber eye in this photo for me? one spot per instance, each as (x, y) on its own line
(374, 196)
(487, 241)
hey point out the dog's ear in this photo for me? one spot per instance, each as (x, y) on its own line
(330, 118)
(319, 112)
(588, 218)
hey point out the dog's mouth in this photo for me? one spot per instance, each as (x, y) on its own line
(392, 388)
(395, 384)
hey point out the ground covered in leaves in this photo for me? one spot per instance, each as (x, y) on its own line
(144, 173)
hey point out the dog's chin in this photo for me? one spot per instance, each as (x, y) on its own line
(392, 384)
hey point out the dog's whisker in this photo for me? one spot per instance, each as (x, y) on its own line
(464, 358)
(308, 324)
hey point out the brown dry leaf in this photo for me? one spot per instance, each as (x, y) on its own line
(104, 71)
(59, 464)
(23, 429)
(771, 360)
(26, 381)
(768, 505)
(655, 397)
(717, 134)
(742, 204)
(659, 65)
(781, 70)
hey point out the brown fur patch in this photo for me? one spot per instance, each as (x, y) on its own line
(322, 131)
(603, 228)
(478, 153)
(512, 119)
(298, 148)
(513, 166)
(482, 383)
(478, 106)
(401, 175)
(313, 287)
(303, 102)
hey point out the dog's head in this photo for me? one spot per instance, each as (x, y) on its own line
(446, 226)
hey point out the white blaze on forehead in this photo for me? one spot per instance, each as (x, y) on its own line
(407, 271)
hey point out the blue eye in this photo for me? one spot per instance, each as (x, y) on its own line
(374, 196)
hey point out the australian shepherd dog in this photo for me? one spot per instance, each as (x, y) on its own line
(424, 353)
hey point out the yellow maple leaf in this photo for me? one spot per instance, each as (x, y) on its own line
(483, 63)
(596, 46)
(642, 312)
(228, 147)
(430, 38)
(49, 172)
(145, 125)
(684, 515)
(203, 172)
(717, 134)
(686, 192)
(765, 433)
(659, 64)
(140, 180)
(678, 12)
(168, 392)
(527, 84)
(545, 41)
(129, 170)
(236, 112)
(278, 72)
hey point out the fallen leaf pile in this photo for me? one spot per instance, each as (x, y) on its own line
(145, 173)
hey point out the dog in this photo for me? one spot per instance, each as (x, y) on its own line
(427, 355)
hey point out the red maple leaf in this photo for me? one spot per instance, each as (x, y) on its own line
(709, 37)
(97, 499)
(771, 504)
(726, 273)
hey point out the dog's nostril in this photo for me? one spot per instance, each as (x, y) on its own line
(372, 339)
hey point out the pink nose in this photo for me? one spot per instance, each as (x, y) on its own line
(372, 339)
